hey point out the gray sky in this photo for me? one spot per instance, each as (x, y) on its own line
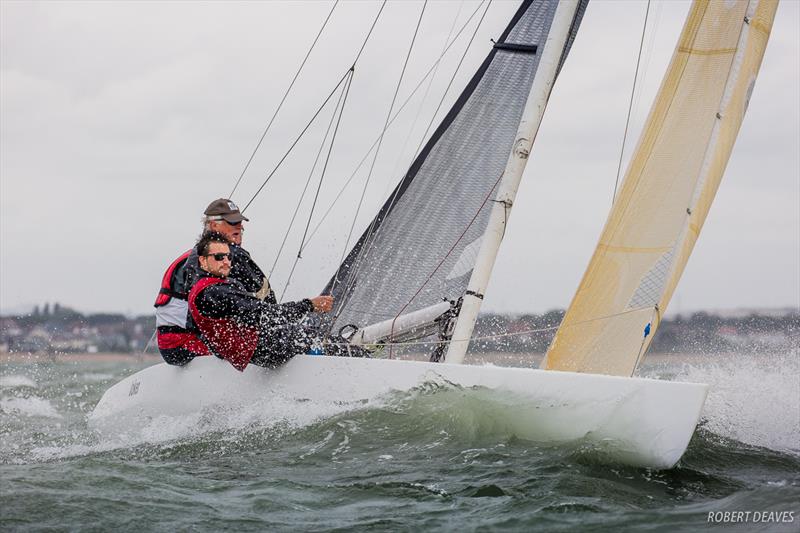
(119, 122)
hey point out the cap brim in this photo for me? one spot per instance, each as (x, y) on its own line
(235, 217)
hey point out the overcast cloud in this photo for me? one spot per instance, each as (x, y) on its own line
(119, 122)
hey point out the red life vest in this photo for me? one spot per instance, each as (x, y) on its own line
(226, 338)
(167, 292)
(176, 338)
(170, 339)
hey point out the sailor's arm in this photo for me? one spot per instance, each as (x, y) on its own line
(225, 301)
(295, 311)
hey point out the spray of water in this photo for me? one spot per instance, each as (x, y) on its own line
(754, 398)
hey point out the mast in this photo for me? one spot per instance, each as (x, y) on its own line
(549, 64)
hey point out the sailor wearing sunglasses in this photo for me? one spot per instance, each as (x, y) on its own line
(177, 338)
(242, 329)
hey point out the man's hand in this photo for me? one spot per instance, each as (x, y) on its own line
(322, 304)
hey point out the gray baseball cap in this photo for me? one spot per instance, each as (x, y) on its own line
(224, 209)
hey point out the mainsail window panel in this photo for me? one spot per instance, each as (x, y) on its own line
(467, 260)
(648, 294)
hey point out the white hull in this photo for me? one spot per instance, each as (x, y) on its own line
(635, 421)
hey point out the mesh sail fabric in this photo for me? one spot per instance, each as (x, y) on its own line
(668, 189)
(423, 243)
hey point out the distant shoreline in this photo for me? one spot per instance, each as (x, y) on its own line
(519, 360)
(75, 357)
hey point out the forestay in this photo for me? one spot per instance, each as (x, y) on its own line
(667, 191)
(422, 245)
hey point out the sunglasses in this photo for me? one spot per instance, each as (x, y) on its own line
(220, 256)
(218, 218)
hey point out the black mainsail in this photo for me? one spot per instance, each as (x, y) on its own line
(422, 245)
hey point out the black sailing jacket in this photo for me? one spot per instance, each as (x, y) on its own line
(243, 269)
(233, 300)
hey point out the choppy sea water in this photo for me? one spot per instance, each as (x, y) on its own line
(431, 459)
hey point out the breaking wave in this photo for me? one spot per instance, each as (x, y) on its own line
(31, 406)
(753, 399)
(15, 381)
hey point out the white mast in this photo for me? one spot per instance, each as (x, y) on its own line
(507, 189)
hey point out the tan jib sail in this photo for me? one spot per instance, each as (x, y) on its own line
(667, 191)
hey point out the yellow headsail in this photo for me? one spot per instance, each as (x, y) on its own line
(667, 191)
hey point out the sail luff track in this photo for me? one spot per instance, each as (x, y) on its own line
(667, 191)
(567, 16)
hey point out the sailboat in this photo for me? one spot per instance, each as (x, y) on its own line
(423, 264)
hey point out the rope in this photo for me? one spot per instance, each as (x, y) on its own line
(630, 104)
(271, 120)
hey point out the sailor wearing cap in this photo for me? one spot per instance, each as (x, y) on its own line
(224, 217)
(178, 341)
(244, 330)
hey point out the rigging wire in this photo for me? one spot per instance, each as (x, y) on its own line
(452, 79)
(399, 110)
(325, 167)
(272, 173)
(305, 187)
(429, 73)
(630, 105)
(654, 25)
(450, 251)
(385, 127)
(374, 22)
(419, 147)
(364, 249)
(378, 149)
(424, 97)
(351, 72)
(285, 95)
(343, 100)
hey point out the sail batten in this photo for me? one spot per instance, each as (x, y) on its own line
(667, 191)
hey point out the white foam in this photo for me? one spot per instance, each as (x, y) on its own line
(96, 376)
(16, 380)
(31, 406)
(269, 413)
(753, 399)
